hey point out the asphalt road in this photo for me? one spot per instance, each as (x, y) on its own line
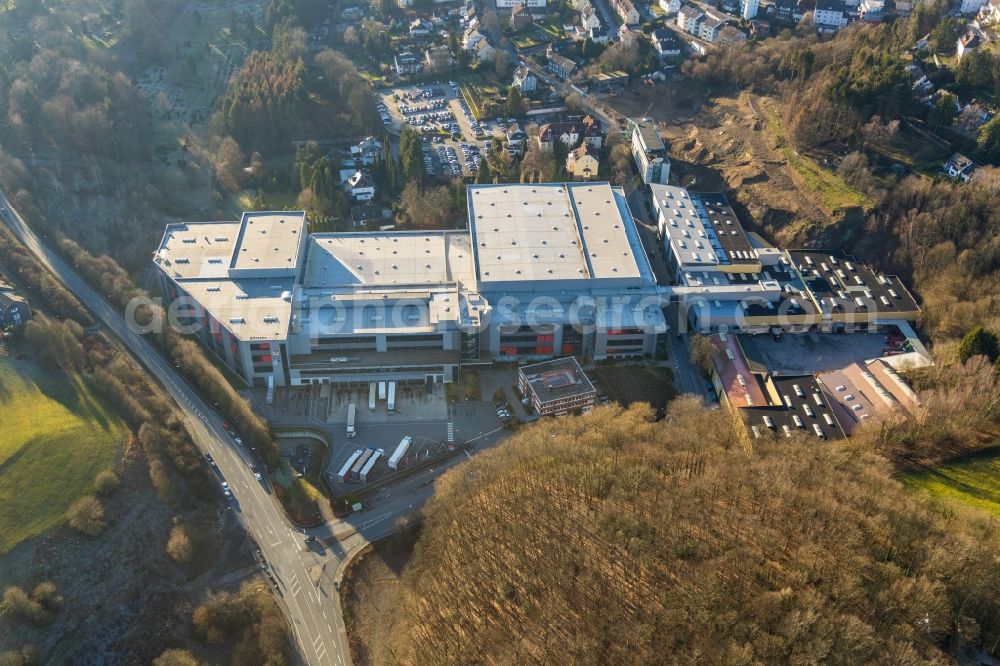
(307, 575)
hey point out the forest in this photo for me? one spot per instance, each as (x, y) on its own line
(614, 538)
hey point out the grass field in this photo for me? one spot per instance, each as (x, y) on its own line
(56, 436)
(974, 481)
(831, 188)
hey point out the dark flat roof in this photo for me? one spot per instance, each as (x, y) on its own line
(723, 221)
(812, 401)
(837, 279)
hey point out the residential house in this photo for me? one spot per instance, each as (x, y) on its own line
(626, 10)
(786, 11)
(626, 34)
(589, 17)
(749, 8)
(515, 139)
(367, 151)
(14, 310)
(599, 35)
(593, 131)
(582, 162)
(407, 63)
(830, 15)
(420, 28)
(478, 46)
(759, 28)
(370, 215)
(989, 12)
(710, 27)
(666, 43)
(670, 6)
(966, 43)
(520, 17)
(872, 11)
(971, 117)
(971, 6)
(689, 19)
(524, 80)
(438, 59)
(560, 65)
(566, 132)
(649, 151)
(361, 186)
(959, 167)
(730, 35)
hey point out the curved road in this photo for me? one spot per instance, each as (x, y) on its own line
(307, 575)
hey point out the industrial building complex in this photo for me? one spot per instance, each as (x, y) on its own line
(541, 271)
(734, 281)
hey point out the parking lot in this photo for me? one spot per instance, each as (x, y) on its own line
(809, 353)
(454, 141)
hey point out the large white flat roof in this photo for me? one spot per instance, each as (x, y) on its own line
(197, 249)
(557, 231)
(388, 259)
(269, 240)
(251, 309)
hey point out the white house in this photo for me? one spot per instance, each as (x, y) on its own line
(670, 6)
(971, 6)
(689, 18)
(589, 18)
(626, 10)
(830, 15)
(524, 80)
(361, 186)
(748, 8)
(710, 27)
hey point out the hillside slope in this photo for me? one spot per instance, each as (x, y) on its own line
(610, 539)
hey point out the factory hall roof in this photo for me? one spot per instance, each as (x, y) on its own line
(559, 231)
(387, 259)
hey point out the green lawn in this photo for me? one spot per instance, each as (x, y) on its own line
(55, 436)
(831, 188)
(974, 480)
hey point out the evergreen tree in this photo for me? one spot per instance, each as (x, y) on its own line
(979, 342)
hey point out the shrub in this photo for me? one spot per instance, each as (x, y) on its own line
(106, 482)
(87, 516)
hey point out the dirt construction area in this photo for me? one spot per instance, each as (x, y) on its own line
(736, 145)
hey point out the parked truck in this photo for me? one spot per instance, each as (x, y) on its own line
(351, 411)
(345, 471)
(400, 451)
(392, 397)
(370, 465)
(360, 463)
(371, 396)
(381, 391)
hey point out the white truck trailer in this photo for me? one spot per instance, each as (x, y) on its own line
(400, 451)
(345, 471)
(370, 465)
(392, 397)
(351, 412)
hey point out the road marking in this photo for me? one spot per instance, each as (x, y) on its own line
(318, 638)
